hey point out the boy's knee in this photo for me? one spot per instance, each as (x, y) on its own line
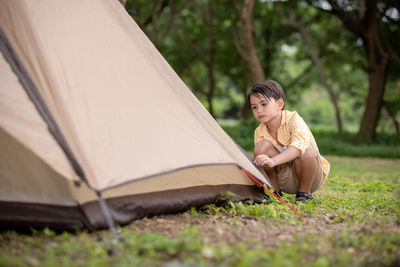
(310, 153)
(263, 147)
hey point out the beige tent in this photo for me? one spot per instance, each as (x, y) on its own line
(96, 127)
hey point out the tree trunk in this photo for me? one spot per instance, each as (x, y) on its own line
(378, 63)
(247, 41)
(246, 105)
(377, 80)
(246, 47)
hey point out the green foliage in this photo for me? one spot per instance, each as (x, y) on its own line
(384, 146)
(193, 35)
(265, 210)
(356, 202)
(242, 132)
(329, 143)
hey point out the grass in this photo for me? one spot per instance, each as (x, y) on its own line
(385, 146)
(354, 221)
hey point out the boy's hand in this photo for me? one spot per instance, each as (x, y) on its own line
(263, 159)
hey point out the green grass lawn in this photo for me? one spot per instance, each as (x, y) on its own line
(354, 221)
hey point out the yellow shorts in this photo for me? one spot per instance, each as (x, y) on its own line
(288, 181)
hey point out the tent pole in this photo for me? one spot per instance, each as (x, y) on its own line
(108, 217)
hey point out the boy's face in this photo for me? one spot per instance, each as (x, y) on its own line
(265, 110)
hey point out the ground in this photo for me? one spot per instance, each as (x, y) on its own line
(353, 221)
(253, 231)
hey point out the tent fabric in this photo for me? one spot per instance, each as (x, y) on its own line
(130, 122)
(22, 121)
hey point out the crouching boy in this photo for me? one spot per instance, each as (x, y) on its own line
(284, 145)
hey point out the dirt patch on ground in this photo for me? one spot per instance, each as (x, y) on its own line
(251, 231)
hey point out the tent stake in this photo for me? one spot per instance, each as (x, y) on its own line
(107, 216)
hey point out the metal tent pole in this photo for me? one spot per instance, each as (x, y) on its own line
(108, 217)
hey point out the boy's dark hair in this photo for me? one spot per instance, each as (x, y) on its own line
(268, 89)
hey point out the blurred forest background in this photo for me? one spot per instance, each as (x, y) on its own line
(337, 60)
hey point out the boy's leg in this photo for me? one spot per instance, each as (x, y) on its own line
(306, 168)
(267, 148)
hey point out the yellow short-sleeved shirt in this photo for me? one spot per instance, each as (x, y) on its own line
(292, 132)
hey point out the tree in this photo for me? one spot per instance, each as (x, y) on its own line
(363, 21)
(245, 46)
(205, 52)
(291, 20)
(157, 18)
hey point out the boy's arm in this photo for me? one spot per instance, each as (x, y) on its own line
(289, 154)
